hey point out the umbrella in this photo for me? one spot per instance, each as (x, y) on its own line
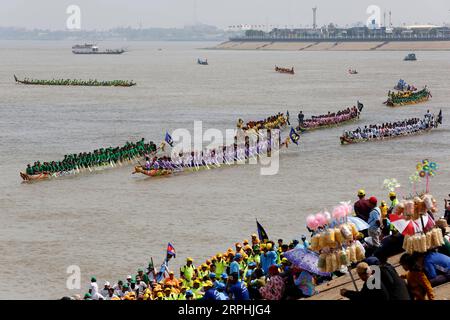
(305, 259)
(359, 223)
(411, 227)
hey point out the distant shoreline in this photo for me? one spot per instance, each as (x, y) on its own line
(335, 46)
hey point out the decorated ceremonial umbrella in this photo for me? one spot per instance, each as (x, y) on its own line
(359, 223)
(305, 259)
(411, 227)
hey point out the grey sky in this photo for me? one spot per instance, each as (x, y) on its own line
(104, 14)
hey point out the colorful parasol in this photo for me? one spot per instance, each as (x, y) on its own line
(305, 259)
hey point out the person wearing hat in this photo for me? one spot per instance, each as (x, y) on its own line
(235, 267)
(224, 278)
(171, 280)
(189, 295)
(366, 294)
(182, 294)
(269, 258)
(221, 264)
(285, 264)
(255, 239)
(394, 201)
(374, 222)
(118, 288)
(239, 249)
(105, 291)
(129, 279)
(197, 289)
(211, 293)
(141, 285)
(202, 271)
(93, 290)
(125, 290)
(160, 296)
(187, 272)
(144, 277)
(248, 272)
(87, 296)
(362, 206)
(221, 292)
(168, 295)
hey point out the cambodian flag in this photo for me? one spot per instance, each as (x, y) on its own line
(171, 250)
(169, 139)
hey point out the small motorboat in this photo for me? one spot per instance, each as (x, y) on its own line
(410, 57)
(352, 71)
(202, 62)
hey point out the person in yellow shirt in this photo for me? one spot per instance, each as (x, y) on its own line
(187, 272)
(168, 295)
(197, 289)
(385, 225)
(221, 265)
(203, 271)
(255, 239)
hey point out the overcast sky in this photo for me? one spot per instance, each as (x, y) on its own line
(104, 14)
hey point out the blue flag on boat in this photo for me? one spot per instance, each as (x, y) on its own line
(262, 234)
(169, 139)
(163, 271)
(294, 136)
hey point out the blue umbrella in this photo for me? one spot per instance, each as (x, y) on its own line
(305, 259)
(359, 223)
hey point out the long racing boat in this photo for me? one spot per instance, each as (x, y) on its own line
(285, 70)
(331, 120)
(75, 82)
(402, 98)
(410, 128)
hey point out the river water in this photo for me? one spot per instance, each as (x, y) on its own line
(111, 223)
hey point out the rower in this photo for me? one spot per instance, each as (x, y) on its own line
(29, 170)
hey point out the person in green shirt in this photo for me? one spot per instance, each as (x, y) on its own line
(29, 170)
(221, 264)
(188, 271)
(143, 276)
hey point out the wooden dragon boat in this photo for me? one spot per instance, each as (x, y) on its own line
(345, 140)
(72, 82)
(408, 98)
(285, 70)
(52, 175)
(333, 125)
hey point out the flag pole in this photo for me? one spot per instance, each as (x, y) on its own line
(353, 279)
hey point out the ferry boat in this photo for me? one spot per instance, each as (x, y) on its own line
(93, 49)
